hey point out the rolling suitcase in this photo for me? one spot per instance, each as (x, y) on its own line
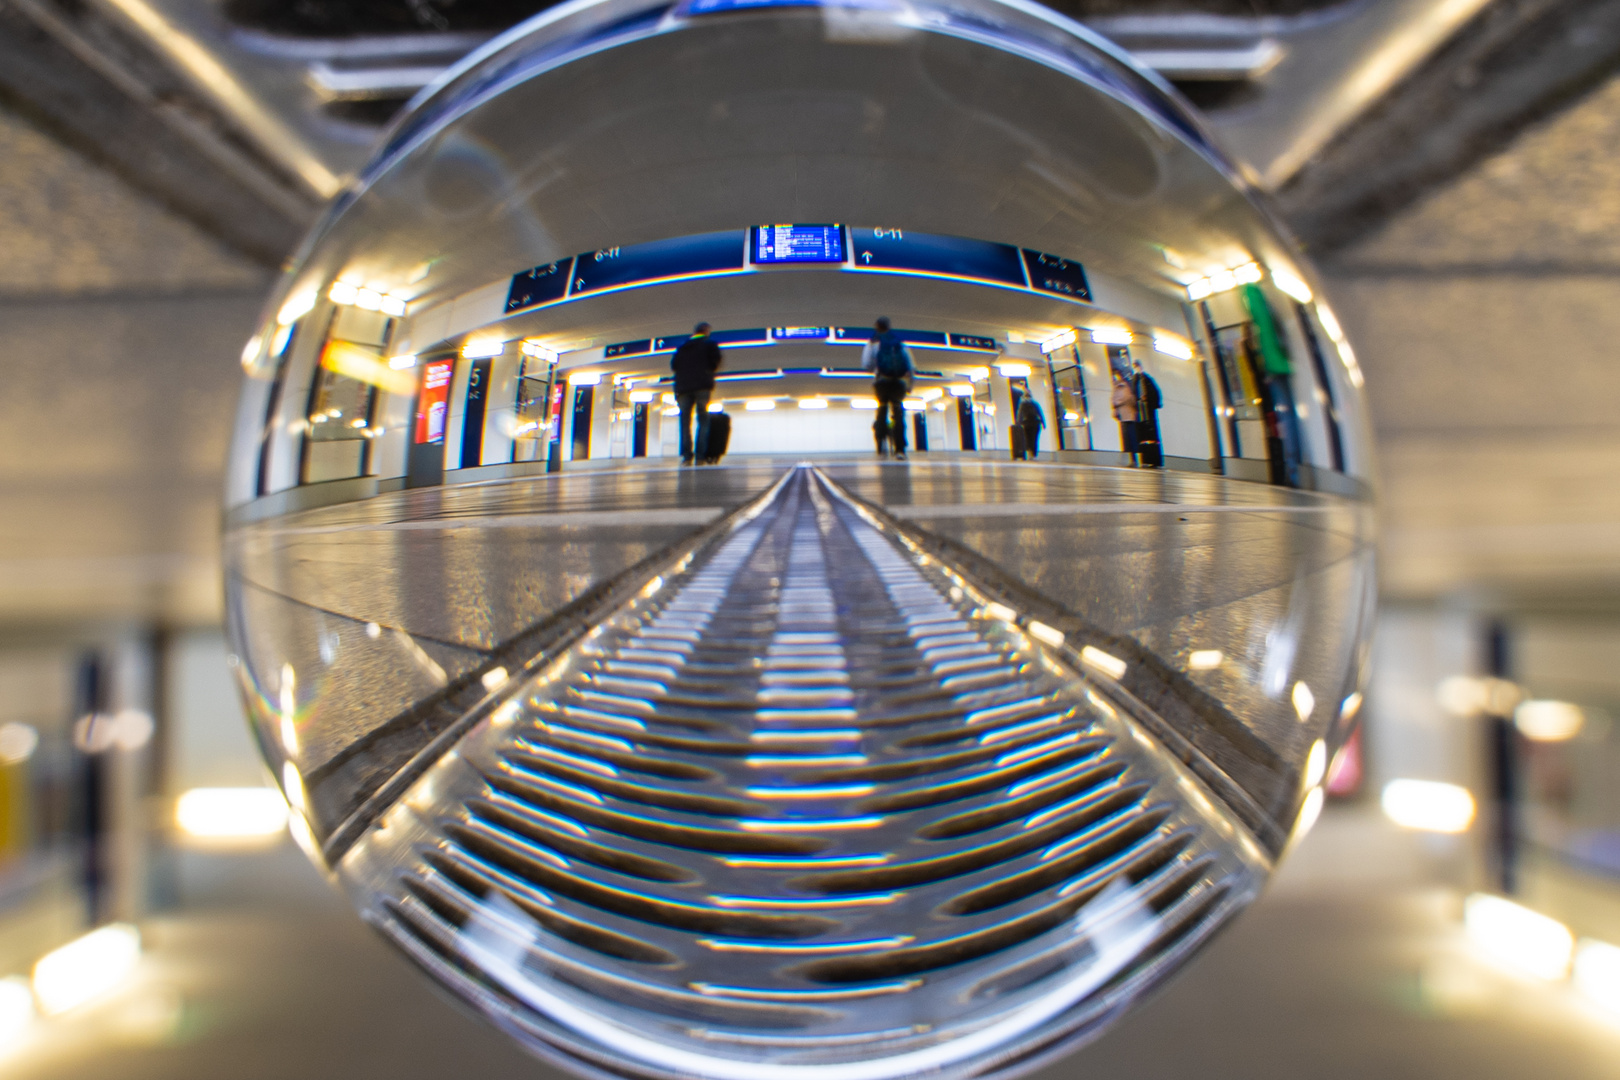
(719, 436)
(1020, 448)
(1148, 447)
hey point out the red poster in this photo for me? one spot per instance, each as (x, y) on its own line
(434, 401)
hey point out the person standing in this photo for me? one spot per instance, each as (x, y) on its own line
(1123, 403)
(694, 364)
(1032, 420)
(1148, 403)
(887, 357)
(1278, 372)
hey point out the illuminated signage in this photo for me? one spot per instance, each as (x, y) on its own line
(541, 285)
(905, 251)
(433, 401)
(661, 260)
(798, 244)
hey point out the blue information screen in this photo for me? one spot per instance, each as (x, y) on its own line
(1049, 273)
(612, 268)
(775, 244)
(928, 253)
(541, 285)
(799, 333)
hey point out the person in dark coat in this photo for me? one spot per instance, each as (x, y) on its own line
(1032, 420)
(887, 357)
(694, 364)
(1148, 403)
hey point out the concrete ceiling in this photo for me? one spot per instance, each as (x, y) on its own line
(1481, 308)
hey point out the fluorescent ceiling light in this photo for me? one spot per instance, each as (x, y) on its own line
(760, 405)
(402, 362)
(584, 378)
(1291, 285)
(1111, 335)
(297, 306)
(961, 389)
(482, 349)
(863, 403)
(530, 347)
(812, 403)
(1013, 370)
(341, 292)
(1197, 290)
(1068, 337)
(1172, 347)
(641, 397)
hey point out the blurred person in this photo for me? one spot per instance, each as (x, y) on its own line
(887, 357)
(694, 365)
(1031, 419)
(1123, 402)
(1148, 403)
(1277, 371)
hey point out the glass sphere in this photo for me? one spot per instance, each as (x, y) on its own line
(908, 693)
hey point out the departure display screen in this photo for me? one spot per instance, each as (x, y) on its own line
(775, 244)
(928, 253)
(660, 260)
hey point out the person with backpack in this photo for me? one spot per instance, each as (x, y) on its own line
(694, 364)
(1030, 417)
(887, 357)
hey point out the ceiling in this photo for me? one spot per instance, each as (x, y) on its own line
(1462, 202)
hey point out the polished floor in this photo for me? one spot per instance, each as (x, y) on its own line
(1351, 967)
(374, 606)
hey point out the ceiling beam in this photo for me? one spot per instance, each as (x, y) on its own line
(1515, 63)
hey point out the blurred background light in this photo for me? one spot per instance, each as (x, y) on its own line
(1520, 939)
(1597, 973)
(1428, 805)
(86, 969)
(246, 813)
(1548, 721)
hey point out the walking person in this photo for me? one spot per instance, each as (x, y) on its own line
(694, 364)
(1148, 403)
(1123, 403)
(887, 357)
(1032, 420)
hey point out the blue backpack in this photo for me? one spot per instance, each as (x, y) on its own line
(891, 358)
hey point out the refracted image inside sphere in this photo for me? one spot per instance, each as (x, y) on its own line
(906, 695)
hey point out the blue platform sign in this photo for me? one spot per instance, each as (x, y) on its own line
(627, 348)
(661, 260)
(1049, 273)
(799, 333)
(541, 285)
(969, 341)
(905, 251)
(776, 244)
